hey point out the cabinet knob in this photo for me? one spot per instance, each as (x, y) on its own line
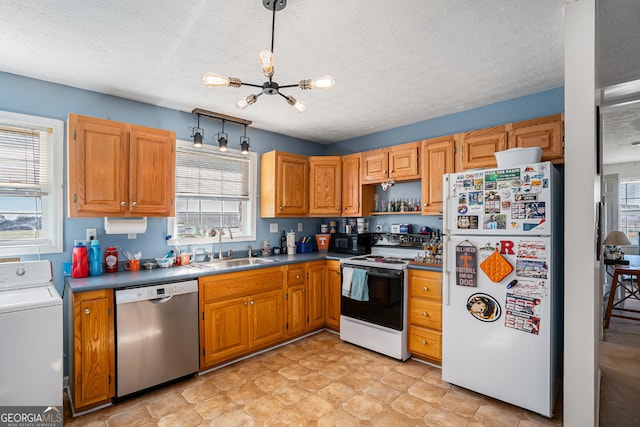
(425, 314)
(338, 273)
(251, 302)
(87, 311)
(135, 204)
(303, 291)
(123, 204)
(424, 288)
(344, 208)
(245, 303)
(280, 207)
(424, 342)
(338, 208)
(424, 204)
(297, 276)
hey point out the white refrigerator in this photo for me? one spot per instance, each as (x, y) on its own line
(502, 292)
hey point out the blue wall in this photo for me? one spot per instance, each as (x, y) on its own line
(35, 97)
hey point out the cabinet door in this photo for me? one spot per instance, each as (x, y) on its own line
(225, 330)
(375, 166)
(266, 314)
(94, 351)
(545, 132)
(292, 185)
(97, 173)
(325, 185)
(315, 295)
(404, 161)
(333, 291)
(351, 196)
(477, 147)
(296, 309)
(437, 160)
(426, 343)
(425, 284)
(152, 171)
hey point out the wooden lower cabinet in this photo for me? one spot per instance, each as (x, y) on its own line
(92, 349)
(425, 314)
(305, 297)
(241, 312)
(333, 292)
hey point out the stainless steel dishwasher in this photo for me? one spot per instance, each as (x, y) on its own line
(156, 335)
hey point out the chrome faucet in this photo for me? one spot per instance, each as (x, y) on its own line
(220, 240)
(250, 248)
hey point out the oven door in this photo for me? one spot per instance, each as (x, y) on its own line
(385, 306)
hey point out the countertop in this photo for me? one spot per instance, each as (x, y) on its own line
(124, 278)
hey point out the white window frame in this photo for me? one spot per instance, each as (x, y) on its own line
(253, 209)
(52, 242)
(623, 212)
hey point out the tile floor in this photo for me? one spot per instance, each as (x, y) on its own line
(317, 381)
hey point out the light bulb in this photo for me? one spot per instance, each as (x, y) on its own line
(197, 139)
(214, 80)
(324, 82)
(243, 103)
(298, 105)
(265, 59)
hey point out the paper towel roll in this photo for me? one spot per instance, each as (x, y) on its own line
(125, 225)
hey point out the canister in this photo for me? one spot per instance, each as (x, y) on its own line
(111, 259)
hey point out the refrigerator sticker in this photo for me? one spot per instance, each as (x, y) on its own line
(490, 186)
(529, 268)
(502, 175)
(475, 198)
(462, 199)
(486, 251)
(477, 184)
(525, 198)
(468, 222)
(466, 264)
(484, 307)
(491, 202)
(527, 210)
(522, 313)
(462, 209)
(531, 250)
(531, 226)
(493, 222)
(532, 288)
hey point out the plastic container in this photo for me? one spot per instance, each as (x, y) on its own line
(518, 156)
(322, 240)
(111, 259)
(303, 248)
(80, 261)
(95, 260)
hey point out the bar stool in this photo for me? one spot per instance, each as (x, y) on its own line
(617, 275)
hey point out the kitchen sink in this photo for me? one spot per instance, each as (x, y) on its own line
(226, 264)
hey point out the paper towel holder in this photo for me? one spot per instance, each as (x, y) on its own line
(125, 225)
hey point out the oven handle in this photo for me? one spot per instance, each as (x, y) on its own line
(375, 273)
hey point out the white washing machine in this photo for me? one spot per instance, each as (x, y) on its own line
(31, 340)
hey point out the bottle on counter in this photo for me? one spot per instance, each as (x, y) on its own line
(111, 259)
(95, 260)
(79, 261)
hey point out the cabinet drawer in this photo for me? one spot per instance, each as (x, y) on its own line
(426, 343)
(295, 276)
(425, 313)
(230, 285)
(425, 284)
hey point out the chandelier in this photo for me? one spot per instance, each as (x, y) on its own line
(270, 87)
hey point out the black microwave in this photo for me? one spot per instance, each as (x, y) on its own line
(356, 244)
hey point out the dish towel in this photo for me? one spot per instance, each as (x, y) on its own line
(347, 274)
(359, 288)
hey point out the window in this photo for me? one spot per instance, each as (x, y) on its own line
(213, 189)
(31, 213)
(629, 214)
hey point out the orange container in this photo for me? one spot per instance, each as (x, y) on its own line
(323, 241)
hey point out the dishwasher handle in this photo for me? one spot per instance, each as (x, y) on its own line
(155, 292)
(160, 300)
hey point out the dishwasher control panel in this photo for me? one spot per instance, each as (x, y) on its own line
(151, 292)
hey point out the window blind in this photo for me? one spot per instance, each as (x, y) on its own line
(23, 161)
(212, 175)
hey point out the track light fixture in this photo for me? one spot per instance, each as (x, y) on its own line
(265, 59)
(222, 139)
(197, 134)
(244, 142)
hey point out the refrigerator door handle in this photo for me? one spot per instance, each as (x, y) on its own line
(445, 271)
(445, 204)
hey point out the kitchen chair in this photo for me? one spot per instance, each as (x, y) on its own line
(620, 276)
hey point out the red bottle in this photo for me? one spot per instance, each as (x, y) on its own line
(111, 259)
(80, 262)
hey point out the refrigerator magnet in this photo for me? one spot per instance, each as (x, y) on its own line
(466, 264)
(484, 307)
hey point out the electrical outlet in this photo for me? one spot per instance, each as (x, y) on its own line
(91, 232)
(299, 226)
(273, 227)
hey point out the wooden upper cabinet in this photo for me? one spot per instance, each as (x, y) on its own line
(117, 169)
(284, 185)
(544, 132)
(399, 162)
(357, 200)
(404, 161)
(325, 185)
(476, 148)
(437, 160)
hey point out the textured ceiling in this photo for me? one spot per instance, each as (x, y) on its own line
(394, 63)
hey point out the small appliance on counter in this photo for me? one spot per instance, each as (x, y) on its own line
(356, 244)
